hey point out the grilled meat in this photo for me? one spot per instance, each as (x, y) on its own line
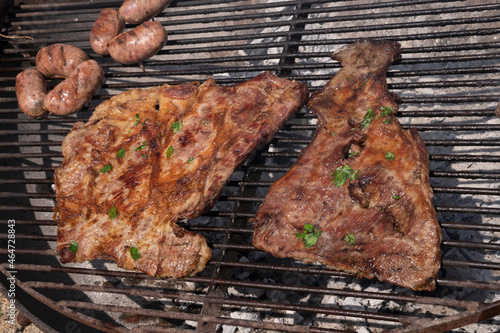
(31, 89)
(150, 157)
(358, 199)
(76, 90)
(138, 44)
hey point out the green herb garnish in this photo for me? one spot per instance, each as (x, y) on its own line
(332, 133)
(350, 239)
(120, 153)
(141, 146)
(136, 117)
(205, 123)
(73, 246)
(191, 159)
(389, 156)
(310, 235)
(135, 253)
(112, 212)
(396, 197)
(342, 174)
(367, 119)
(177, 127)
(386, 111)
(170, 151)
(354, 153)
(106, 168)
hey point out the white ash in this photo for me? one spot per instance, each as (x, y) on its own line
(244, 314)
(290, 318)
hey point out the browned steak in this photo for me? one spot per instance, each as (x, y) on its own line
(150, 157)
(361, 188)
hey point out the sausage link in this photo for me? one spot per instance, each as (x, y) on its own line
(72, 94)
(109, 24)
(31, 89)
(138, 44)
(139, 11)
(59, 60)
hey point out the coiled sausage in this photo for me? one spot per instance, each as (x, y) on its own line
(109, 24)
(72, 94)
(59, 60)
(138, 44)
(139, 11)
(31, 89)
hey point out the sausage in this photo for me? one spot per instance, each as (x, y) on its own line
(59, 60)
(109, 24)
(139, 11)
(138, 44)
(77, 90)
(31, 89)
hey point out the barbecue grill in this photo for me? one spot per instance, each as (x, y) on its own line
(448, 83)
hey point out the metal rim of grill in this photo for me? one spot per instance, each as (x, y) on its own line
(448, 84)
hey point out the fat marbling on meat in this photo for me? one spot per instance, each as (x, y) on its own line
(358, 198)
(148, 158)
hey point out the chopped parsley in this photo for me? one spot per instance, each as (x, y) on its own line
(177, 126)
(135, 253)
(141, 146)
(120, 153)
(342, 174)
(112, 212)
(170, 151)
(354, 153)
(396, 197)
(332, 133)
(106, 168)
(389, 156)
(136, 117)
(386, 111)
(350, 239)
(205, 123)
(367, 119)
(310, 235)
(73, 246)
(191, 159)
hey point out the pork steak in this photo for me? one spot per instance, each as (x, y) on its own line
(358, 199)
(148, 158)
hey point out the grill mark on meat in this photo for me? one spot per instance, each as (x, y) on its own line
(387, 207)
(151, 190)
